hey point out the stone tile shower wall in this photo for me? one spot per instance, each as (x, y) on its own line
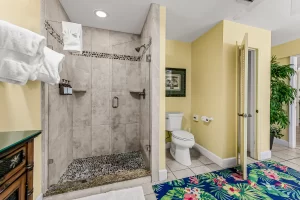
(99, 129)
(57, 110)
(152, 30)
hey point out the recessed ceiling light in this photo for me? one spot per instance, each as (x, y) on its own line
(101, 13)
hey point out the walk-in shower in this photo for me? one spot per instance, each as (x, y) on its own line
(101, 135)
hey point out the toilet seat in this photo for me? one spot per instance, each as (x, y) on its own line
(183, 135)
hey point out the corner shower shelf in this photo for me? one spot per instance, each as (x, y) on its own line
(139, 92)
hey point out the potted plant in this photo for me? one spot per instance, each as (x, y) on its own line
(281, 94)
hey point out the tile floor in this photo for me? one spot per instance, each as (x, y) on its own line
(201, 164)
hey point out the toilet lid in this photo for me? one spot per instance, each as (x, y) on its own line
(182, 135)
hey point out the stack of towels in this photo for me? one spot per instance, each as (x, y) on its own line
(24, 56)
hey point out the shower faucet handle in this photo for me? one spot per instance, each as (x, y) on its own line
(115, 99)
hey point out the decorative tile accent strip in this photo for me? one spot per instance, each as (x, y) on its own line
(93, 54)
(107, 55)
(54, 34)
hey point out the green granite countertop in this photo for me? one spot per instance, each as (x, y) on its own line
(12, 138)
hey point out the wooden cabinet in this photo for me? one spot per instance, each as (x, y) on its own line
(16, 171)
(16, 191)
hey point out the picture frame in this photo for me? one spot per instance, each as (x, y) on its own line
(175, 82)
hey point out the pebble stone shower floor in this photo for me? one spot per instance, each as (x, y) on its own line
(100, 170)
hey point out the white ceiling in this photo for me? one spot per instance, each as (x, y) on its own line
(187, 20)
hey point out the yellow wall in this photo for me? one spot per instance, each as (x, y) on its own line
(162, 152)
(20, 106)
(214, 83)
(179, 55)
(287, 49)
(259, 39)
(207, 93)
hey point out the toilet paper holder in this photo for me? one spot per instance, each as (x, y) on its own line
(207, 119)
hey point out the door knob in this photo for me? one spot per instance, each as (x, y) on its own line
(242, 115)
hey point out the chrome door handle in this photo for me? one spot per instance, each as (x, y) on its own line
(115, 99)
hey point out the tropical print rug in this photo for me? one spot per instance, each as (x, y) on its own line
(266, 180)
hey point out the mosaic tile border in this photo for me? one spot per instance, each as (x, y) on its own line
(93, 54)
(53, 33)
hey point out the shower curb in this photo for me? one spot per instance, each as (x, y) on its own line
(101, 189)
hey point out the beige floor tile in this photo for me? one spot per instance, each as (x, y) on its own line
(278, 148)
(214, 167)
(283, 156)
(147, 188)
(296, 161)
(196, 163)
(150, 197)
(201, 170)
(205, 160)
(183, 173)
(294, 150)
(171, 177)
(276, 159)
(168, 169)
(291, 165)
(291, 153)
(175, 166)
(250, 160)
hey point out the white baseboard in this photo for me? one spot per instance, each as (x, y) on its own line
(168, 145)
(163, 175)
(265, 155)
(224, 163)
(281, 142)
(40, 197)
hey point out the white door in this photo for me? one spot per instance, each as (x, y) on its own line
(243, 104)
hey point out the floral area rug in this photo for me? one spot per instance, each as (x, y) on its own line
(266, 180)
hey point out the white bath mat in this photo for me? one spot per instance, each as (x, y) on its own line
(125, 194)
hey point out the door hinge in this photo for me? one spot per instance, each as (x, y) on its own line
(50, 161)
(148, 58)
(148, 148)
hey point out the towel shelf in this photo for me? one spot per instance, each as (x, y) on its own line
(79, 91)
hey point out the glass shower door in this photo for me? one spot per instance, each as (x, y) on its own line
(129, 96)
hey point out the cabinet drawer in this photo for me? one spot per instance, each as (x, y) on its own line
(12, 163)
(16, 191)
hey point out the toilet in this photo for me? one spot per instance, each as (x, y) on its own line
(182, 140)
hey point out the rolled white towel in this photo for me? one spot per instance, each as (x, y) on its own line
(21, 40)
(53, 63)
(14, 72)
(21, 48)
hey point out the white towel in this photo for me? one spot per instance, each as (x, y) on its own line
(72, 35)
(14, 72)
(21, 40)
(21, 53)
(53, 63)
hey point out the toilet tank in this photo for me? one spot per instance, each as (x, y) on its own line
(173, 121)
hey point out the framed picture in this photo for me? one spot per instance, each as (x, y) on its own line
(175, 82)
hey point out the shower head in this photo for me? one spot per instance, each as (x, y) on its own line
(138, 49)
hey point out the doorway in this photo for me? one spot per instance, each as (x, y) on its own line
(294, 129)
(252, 93)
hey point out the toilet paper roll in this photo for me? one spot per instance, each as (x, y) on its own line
(206, 119)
